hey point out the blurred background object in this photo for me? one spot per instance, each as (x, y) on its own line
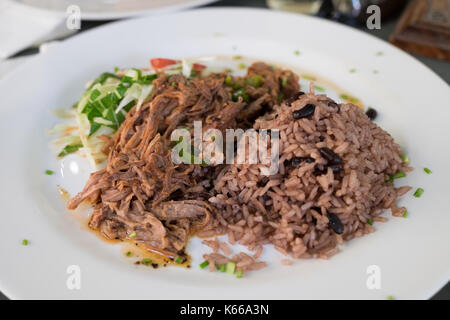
(348, 11)
(424, 29)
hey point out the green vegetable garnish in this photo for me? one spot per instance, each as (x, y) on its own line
(132, 235)
(239, 273)
(405, 158)
(428, 171)
(69, 149)
(179, 260)
(223, 268)
(352, 70)
(398, 175)
(347, 97)
(370, 221)
(128, 254)
(49, 172)
(318, 88)
(240, 93)
(146, 260)
(379, 53)
(24, 242)
(204, 264)
(297, 53)
(241, 66)
(237, 57)
(228, 81)
(283, 82)
(255, 81)
(390, 298)
(231, 266)
(405, 214)
(418, 192)
(308, 77)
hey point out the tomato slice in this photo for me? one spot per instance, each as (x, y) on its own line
(198, 66)
(159, 63)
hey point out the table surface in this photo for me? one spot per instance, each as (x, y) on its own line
(442, 68)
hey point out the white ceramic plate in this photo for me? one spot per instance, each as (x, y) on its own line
(412, 253)
(114, 9)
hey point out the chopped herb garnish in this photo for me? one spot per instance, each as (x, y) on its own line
(179, 260)
(240, 93)
(132, 235)
(418, 192)
(228, 81)
(390, 298)
(223, 268)
(231, 266)
(173, 84)
(204, 264)
(428, 171)
(297, 53)
(405, 214)
(405, 158)
(319, 88)
(146, 260)
(398, 175)
(217, 266)
(241, 66)
(237, 57)
(69, 149)
(283, 82)
(49, 172)
(308, 77)
(24, 242)
(255, 81)
(370, 221)
(375, 71)
(352, 70)
(379, 53)
(116, 69)
(128, 254)
(239, 273)
(347, 97)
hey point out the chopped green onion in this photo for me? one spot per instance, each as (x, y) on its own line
(95, 94)
(319, 88)
(49, 172)
(352, 70)
(146, 260)
(255, 81)
(308, 77)
(405, 158)
(132, 235)
(223, 268)
(173, 84)
(428, 171)
(69, 149)
(116, 69)
(398, 175)
(204, 264)
(297, 53)
(379, 53)
(241, 66)
(347, 97)
(228, 81)
(240, 93)
(237, 57)
(418, 192)
(375, 71)
(283, 82)
(390, 298)
(24, 242)
(405, 214)
(217, 267)
(128, 254)
(231, 266)
(239, 273)
(179, 260)
(370, 221)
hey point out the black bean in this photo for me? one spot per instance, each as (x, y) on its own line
(293, 98)
(330, 156)
(371, 113)
(317, 209)
(319, 169)
(335, 223)
(333, 104)
(263, 181)
(295, 162)
(304, 112)
(336, 167)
